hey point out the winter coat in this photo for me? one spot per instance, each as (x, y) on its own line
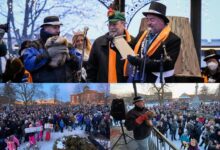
(215, 77)
(184, 138)
(172, 44)
(173, 126)
(36, 61)
(99, 59)
(140, 131)
(61, 124)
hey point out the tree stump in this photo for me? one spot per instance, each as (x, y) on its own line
(187, 64)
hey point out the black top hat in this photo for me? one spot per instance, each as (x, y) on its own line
(51, 20)
(211, 53)
(157, 9)
(137, 99)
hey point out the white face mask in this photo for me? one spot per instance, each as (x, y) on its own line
(212, 65)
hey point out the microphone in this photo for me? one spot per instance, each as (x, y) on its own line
(147, 42)
(149, 30)
(165, 52)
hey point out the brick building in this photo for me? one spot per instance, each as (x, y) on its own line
(88, 97)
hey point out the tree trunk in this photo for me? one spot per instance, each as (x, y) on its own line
(9, 18)
(26, 20)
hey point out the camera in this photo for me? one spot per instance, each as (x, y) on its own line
(4, 27)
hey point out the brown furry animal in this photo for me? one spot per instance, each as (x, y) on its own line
(14, 70)
(57, 48)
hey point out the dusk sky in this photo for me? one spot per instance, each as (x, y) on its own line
(66, 89)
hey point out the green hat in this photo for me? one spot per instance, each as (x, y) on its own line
(114, 16)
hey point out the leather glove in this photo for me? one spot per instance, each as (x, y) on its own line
(136, 61)
(84, 74)
(56, 50)
(139, 120)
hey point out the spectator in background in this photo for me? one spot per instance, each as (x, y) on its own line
(184, 140)
(81, 46)
(211, 72)
(193, 145)
(48, 58)
(173, 129)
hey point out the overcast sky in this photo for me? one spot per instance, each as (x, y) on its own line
(176, 88)
(98, 25)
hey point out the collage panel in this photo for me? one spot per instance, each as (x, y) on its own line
(54, 116)
(109, 75)
(109, 41)
(165, 116)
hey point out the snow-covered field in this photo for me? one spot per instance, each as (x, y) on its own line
(48, 145)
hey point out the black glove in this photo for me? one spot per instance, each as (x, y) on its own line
(136, 61)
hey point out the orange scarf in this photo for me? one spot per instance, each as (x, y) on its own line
(156, 43)
(205, 77)
(112, 72)
(29, 76)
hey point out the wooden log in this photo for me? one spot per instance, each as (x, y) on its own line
(187, 64)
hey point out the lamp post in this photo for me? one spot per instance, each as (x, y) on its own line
(122, 5)
(195, 20)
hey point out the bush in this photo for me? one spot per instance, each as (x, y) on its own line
(74, 143)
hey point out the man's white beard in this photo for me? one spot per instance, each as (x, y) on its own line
(113, 34)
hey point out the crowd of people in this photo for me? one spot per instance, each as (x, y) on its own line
(94, 120)
(186, 126)
(195, 127)
(51, 58)
(199, 125)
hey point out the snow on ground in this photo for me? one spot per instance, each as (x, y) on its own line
(48, 145)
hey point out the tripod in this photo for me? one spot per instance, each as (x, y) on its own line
(123, 134)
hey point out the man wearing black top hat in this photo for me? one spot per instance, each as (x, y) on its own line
(211, 72)
(157, 41)
(139, 121)
(48, 58)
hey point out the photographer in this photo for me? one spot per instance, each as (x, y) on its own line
(3, 48)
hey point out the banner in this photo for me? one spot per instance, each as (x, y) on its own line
(48, 126)
(33, 129)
